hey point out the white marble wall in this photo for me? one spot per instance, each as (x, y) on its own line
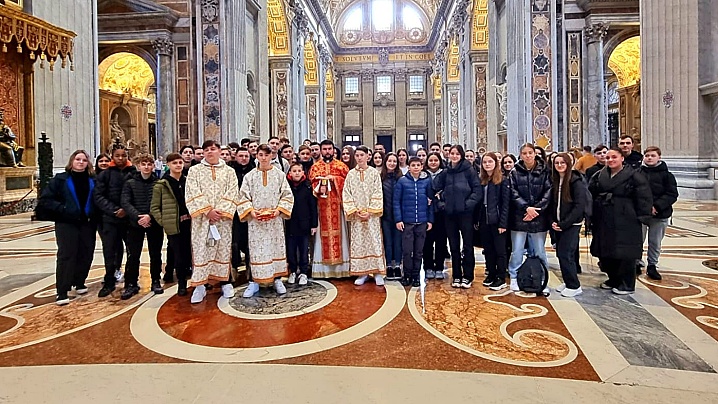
(78, 88)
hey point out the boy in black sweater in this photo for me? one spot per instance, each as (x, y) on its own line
(136, 201)
(303, 224)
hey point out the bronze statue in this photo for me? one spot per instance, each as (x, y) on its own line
(10, 151)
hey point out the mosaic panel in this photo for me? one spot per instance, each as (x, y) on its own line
(574, 89)
(541, 72)
(211, 69)
(481, 111)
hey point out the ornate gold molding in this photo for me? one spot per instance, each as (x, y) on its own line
(480, 25)
(311, 71)
(278, 29)
(37, 36)
(329, 84)
(453, 70)
(625, 62)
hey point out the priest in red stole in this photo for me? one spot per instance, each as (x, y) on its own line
(331, 247)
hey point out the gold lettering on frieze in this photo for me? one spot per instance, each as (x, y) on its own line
(396, 57)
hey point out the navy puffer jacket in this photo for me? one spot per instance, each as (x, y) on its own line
(387, 185)
(411, 199)
(59, 201)
(530, 188)
(460, 188)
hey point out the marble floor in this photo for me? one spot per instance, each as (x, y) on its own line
(332, 340)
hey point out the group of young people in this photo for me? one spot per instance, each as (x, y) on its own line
(330, 213)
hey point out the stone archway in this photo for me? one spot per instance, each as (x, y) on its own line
(126, 94)
(625, 63)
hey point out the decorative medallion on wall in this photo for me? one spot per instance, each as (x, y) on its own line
(211, 68)
(481, 112)
(575, 135)
(541, 71)
(66, 112)
(281, 102)
(668, 99)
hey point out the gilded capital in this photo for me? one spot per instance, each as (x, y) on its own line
(595, 32)
(163, 46)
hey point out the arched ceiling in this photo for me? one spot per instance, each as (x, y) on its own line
(124, 73)
(625, 62)
(334, 8)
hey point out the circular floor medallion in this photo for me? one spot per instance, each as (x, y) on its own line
(267, 304)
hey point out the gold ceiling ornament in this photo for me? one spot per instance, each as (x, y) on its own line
(311, 70)
(625, 62)
(453, 70)
(480, 25)
(126, 73)
(437, 86)
(278, 29)
(329, 84)
(41, 38)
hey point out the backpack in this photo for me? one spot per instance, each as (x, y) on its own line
(588, 209)
(532, 276)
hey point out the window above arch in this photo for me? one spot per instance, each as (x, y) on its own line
(383, 22)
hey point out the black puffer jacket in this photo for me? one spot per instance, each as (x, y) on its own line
(633, 160)
(620, 204)
(530, 189)
(137, 196)
(494, 210)
(108, 191)
(571, 212)
(60, 202)
(590, 171)
(387, 186)
(663, 188)
(304, 213)
(460, 188)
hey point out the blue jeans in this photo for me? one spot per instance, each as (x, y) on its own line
(537, 248)
(392, 242)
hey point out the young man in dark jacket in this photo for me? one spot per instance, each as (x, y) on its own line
(665, 193)
(169, 209)
(136, 201)
(599, 153)
(414, 216)
(113, 232)
(301, 225)
(242, 164)
(631, 157)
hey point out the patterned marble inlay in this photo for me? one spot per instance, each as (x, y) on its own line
(638, 336)
(494, 326)
(268, 304)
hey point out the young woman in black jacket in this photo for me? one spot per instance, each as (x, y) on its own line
(621, 203)
(390, 174)
(461, 191)
(529, 218)
(68, 201)
(108, 197)
(493, 217)
(435, 251)
(568, 209)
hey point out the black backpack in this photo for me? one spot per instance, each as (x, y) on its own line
(532, 276)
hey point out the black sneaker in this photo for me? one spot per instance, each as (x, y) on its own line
(416, 283)
(638, 270)
(168, 278)
(106, 290)
(406, 281)
(129, 291)
(390, 274)
(397, 273)
(622, 290)
(498, 284)
(488, 280)
(157, 288)
(456, 283)
(652, 273)
(181, 287)
(465, 283)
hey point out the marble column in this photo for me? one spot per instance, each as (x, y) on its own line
(367, 94)
(518, 75)
(596, 122)
(166, 119)
(400, 91)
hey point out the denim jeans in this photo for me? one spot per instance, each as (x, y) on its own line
(536, 247)
(656, 230)
(392, 242)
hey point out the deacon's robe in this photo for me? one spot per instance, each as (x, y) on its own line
(331, 247)
(363, 194)
(263, 190)
(211, 187)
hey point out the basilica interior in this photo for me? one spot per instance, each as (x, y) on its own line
(156, 75)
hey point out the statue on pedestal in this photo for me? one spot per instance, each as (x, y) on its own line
(10, 151)
(116, 130)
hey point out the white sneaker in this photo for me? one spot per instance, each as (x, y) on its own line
(251, 290)
(228, 291)
(62, 302)
(279, 287)
(81, 291)
(379, 279)
(118, 275)
(560, 288)
(571, 292)
(292, 278)
(514, 285)
(302, 280)
(360, 280)
(198, 295)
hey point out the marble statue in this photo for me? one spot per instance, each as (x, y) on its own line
(116, 130)
(501, 96)
(251, 112)
(10, 151)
